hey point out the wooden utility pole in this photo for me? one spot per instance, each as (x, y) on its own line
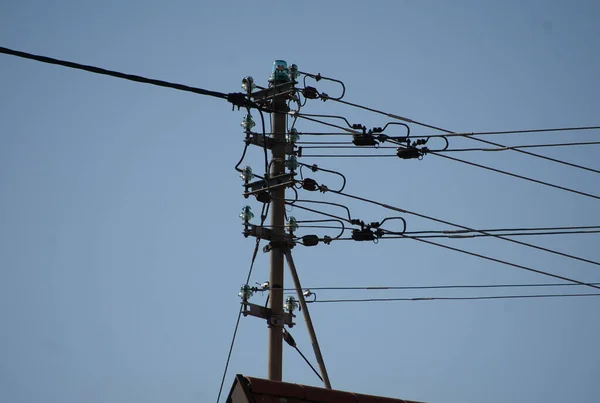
(279, 129)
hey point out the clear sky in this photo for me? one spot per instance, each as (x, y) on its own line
(121, 251)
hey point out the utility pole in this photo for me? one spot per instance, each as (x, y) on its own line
(271, 190)
(278, 128)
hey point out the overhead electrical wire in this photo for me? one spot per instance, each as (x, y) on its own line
(437, 287)
(469, 136)
(559, 187)
(465, 236)
(463, 231)
(238, 99)
(544, 273)
(397, 209)
(486, 297)
(566, 189)
(443, 234)
(347, 145)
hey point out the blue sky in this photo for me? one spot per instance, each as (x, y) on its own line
(121, 251)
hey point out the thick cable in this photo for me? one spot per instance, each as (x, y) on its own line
(99, 70)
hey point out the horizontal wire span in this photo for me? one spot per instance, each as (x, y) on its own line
(468, 236)
(566, 189)
(436, 287)
(389, 207)
(349, 145)
(461, 231)
(469, 135)
(488, 297)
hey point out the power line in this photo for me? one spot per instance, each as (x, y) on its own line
(505, 262)
(566, 189)
(481, 140)
(462, 236)
(263, 217)
(519, 150)
(458, 298)
(237, 323)
(483, 256)
(238, 99)
(436, 287)
(462, 231)
(518, 176)
(389, 207)
(437, 153)
(466, 134)
(349, 145)
(548, 145)
(459, 234)
(547, 130)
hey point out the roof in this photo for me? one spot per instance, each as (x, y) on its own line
(256, 390)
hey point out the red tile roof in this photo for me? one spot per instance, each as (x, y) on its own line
(256, 390)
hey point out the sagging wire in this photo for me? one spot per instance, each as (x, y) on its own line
(314, 115)
(368, 231)
(313, 93)
(341, 228)
(248, 124)
(307, 183)
(348, 220)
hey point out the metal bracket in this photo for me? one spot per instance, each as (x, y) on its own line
(263, 312)
(275, 182)
(268, 234)
(269, 142)
(268, 93)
